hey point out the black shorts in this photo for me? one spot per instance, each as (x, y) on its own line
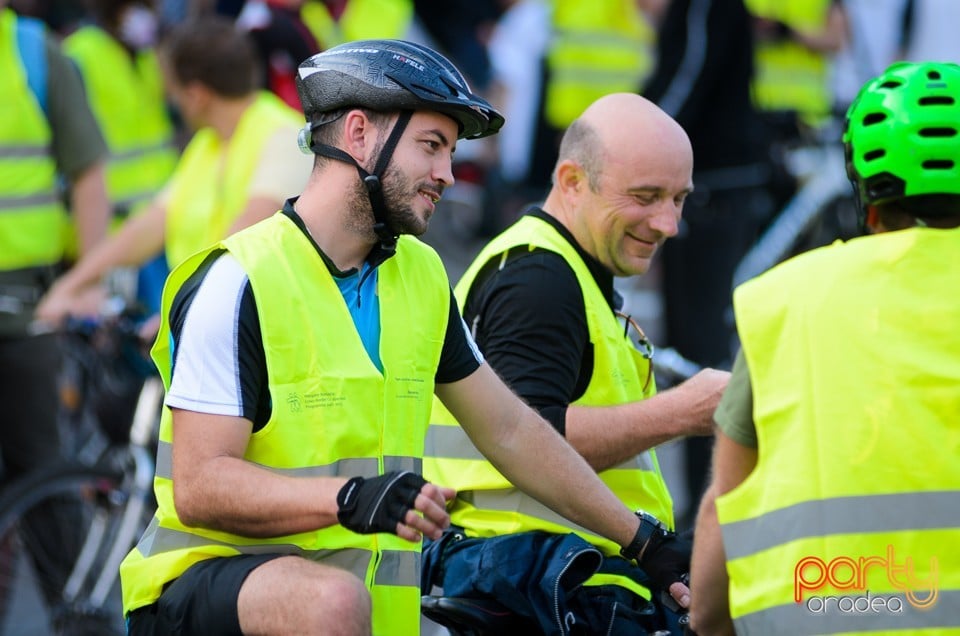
(201, 602)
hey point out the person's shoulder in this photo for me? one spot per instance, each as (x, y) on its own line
(282, 113)
(814, 272)
(814, 259)
(414, 247)
(200, 142)
(541, 277)
(219, 273)
(86, 36)
(541, 265)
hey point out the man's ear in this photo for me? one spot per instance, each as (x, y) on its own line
(570, 178)
(198, 94)
(359, 135)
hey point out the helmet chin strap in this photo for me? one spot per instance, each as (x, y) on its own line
(381, 225)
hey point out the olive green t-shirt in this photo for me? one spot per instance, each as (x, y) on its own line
(734, 414)
(77, 141)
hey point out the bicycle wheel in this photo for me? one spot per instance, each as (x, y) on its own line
(57, 528)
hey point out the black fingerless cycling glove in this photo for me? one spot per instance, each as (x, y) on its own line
(378, 504)
(662, 554)
(667, 558)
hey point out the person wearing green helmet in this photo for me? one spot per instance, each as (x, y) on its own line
(835, 500)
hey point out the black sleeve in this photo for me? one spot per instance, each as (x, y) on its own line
(459, 357)
(251, 358)
(693, 42)
(532, 330)
(252, 361)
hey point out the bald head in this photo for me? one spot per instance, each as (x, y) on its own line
(624, 169)
(623, 127)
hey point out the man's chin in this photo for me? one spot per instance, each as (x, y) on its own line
(633, 267)
(414, 226)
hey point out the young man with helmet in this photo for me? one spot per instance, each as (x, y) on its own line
(301, 356)
(836, 489)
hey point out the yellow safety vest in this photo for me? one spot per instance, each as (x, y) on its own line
(361, 20)
(334, 413)
(487, 504)
(210, 187)
(596, 48)
(854, 359)
(127, 98)
(31, 215)
(787, 75)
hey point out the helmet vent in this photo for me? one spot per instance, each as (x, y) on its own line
(874, 118)
(938, 132)
(873, 155)
(938, 164)
(934, 75)
(891, 84)
(939, 100)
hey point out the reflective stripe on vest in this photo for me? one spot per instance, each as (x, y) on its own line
(351, 467)
(396, 567)
(854, 359)
(451, 459)
(319, 374)
(126, 95)
(596, 48)
(864, 614)
(453, 442)
(23, 152)
(842, 515)
(31, 215)
(206, 197)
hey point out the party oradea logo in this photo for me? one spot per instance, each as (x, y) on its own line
(841, 585)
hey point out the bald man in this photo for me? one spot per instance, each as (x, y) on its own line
(541, 303)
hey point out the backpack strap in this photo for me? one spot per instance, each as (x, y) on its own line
(31, 34)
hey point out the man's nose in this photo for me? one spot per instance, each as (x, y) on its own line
(667, 219)
(443, 172)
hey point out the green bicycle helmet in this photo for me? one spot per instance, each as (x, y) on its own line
(902, 133)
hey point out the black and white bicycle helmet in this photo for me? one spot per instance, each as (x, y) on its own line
(387, 75)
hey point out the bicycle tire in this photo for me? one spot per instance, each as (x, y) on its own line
(57, 526)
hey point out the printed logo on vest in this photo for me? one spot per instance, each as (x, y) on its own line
(813, 574)
(294, 402)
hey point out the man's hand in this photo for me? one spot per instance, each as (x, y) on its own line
(663, 555)
(61, 301)
(391, 503)
(666, 560)
(702, 393)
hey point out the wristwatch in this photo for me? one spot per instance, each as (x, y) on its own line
(649, 526)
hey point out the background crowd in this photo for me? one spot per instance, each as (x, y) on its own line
(749, 80)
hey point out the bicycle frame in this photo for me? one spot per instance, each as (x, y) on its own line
(825, 185)
(139, 494)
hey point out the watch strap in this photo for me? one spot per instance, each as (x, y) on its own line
(649, 526)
